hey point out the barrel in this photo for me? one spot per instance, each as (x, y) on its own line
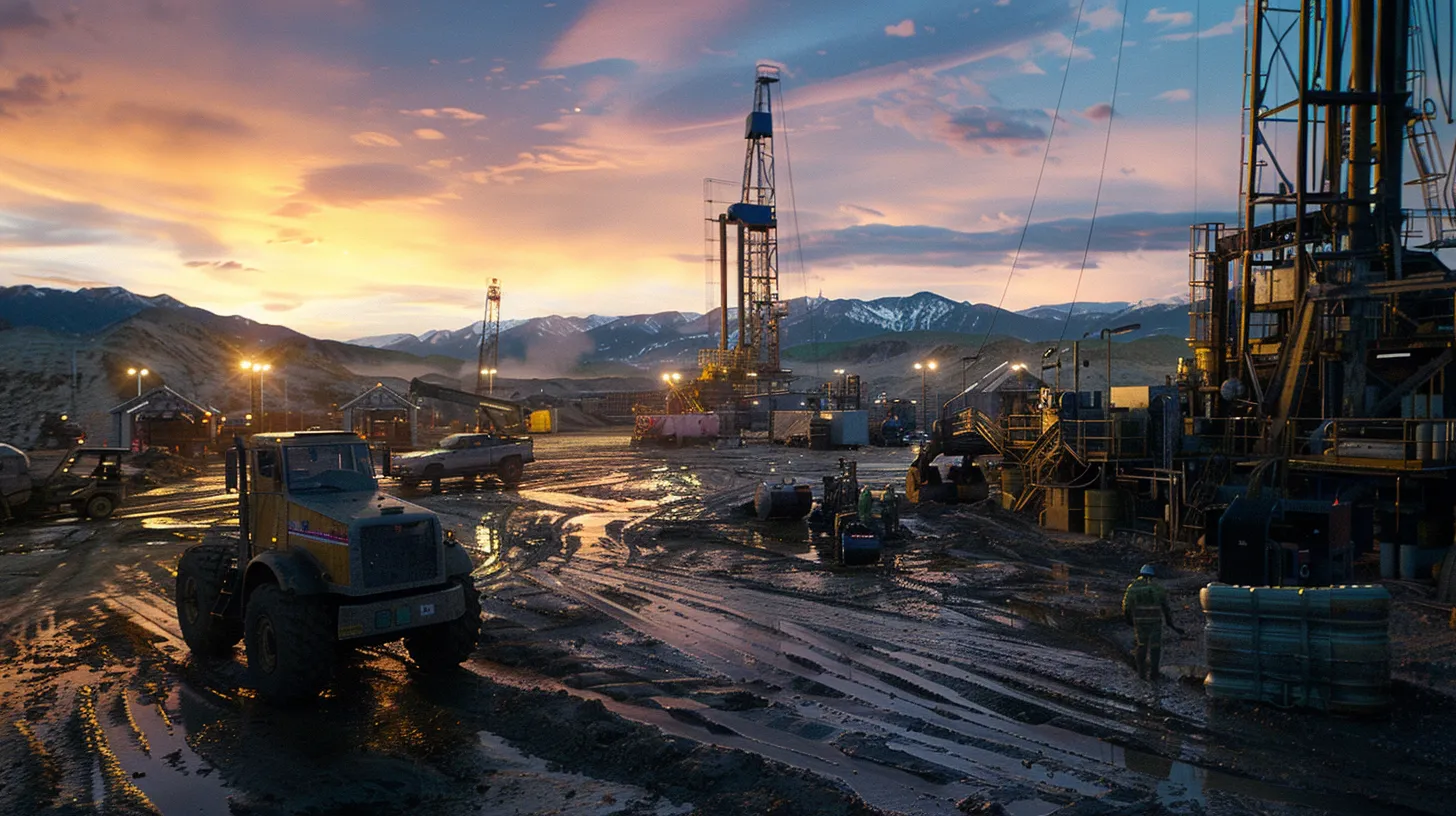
(1011, 486)
(1100, 512)
(782, 501)
(1326, 648)
(1409, 562)
(1389, 559)
(858, 544)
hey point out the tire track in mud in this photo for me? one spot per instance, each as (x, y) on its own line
(864, 693)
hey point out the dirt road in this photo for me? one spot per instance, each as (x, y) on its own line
(650, 650)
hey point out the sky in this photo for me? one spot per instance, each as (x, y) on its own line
(361, 167)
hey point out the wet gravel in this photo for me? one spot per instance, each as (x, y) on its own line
(651, 649)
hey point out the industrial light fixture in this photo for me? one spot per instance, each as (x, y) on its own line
(1391, 355)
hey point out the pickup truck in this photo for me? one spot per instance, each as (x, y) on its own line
(469, 455)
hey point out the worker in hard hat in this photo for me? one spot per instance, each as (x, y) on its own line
(1145, 606)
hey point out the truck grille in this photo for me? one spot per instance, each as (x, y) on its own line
(398, 554)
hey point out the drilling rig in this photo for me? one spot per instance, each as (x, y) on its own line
(752, 359)
(489, 340)
(1317, 416)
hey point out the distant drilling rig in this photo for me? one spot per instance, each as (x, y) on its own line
(489, 340)
(751, 359)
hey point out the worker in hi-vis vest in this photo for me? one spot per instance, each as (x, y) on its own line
(1145, 606)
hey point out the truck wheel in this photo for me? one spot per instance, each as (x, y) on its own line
(200, 574)
(446, 645)
(99, 506)
(290, 640)
(510, 471)
(432, 475)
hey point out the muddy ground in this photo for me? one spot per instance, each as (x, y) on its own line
(651, 650)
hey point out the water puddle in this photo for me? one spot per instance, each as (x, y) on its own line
(161, 764)
(169, 523)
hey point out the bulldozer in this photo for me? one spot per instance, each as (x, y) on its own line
(323, 559)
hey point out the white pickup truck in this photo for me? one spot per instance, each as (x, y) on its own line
(468, 455)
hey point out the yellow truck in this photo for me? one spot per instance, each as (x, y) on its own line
(322, 558)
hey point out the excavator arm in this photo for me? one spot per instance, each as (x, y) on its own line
(505, 416)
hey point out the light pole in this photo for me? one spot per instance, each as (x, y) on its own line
(489, 374)
(256, 391)
(138, 373)
(671, 380)
(924, 368)
(965, 366)
(1107, 335)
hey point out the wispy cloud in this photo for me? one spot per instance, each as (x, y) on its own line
(371, 138)
(1169, 19)
(1175, 95)
(1231, 26)
(904, 28)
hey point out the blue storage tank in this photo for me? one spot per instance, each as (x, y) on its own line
(1327, 648)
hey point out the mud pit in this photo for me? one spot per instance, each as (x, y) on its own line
(649, 651)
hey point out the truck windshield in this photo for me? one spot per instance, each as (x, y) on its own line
(329, 467)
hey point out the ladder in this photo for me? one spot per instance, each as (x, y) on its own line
(1431, 171)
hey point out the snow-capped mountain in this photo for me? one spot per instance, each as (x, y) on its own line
(662, 337)
(78, 312)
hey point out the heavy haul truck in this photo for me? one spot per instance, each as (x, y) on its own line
(323, 558)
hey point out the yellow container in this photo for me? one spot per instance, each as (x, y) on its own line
(1101, 512)
(542, 421)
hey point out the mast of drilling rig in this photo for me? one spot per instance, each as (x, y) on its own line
(489, 339)
(756, 217)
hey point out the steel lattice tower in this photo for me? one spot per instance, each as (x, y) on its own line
(757, 216)
(489, 338)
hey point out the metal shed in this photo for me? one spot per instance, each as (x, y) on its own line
(164, 418)
(383, 414)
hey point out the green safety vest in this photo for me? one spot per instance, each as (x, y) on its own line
(1144, 599)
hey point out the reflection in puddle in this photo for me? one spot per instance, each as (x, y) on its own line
(169, 523)
(490, 537)
(164, 767)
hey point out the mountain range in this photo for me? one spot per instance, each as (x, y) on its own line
(668, 337)
(70, 350)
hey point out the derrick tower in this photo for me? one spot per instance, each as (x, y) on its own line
(489, 339)
(1318, 305)
(756, 215)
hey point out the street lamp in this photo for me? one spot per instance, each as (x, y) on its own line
(1107, 334)
(138, 373)
(924, 368)
(256, 391)
(489, 374)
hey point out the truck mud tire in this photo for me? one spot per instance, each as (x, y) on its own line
(290, 640)
(200, 575)
(510, 470)
(99, 506)
(444, 646)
